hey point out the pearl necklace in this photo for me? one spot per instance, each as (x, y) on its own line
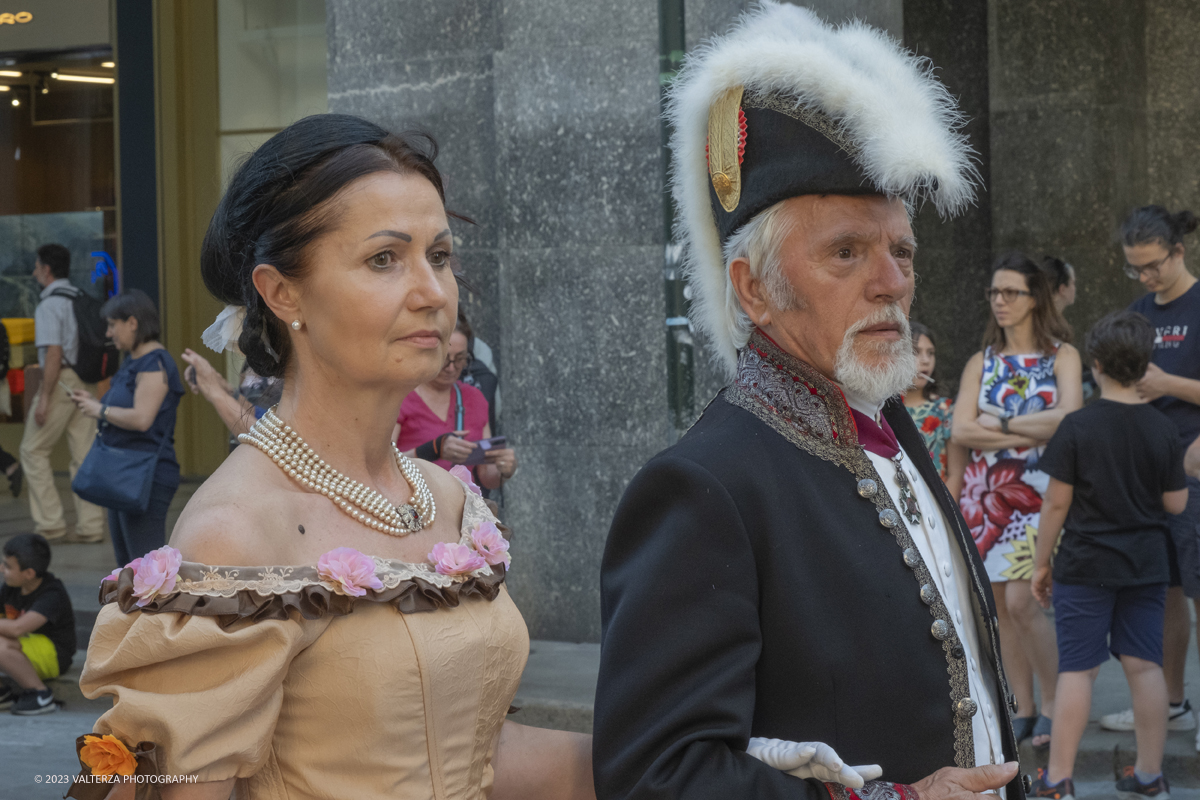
(290, 452)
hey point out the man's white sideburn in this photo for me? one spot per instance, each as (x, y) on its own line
(875, 385)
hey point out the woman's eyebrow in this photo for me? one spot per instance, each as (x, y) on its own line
(442, 235)
(394, 234)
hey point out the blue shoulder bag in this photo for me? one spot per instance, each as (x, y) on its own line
(117, 477)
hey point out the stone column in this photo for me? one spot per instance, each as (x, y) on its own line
(954, 257)
(1069, 133)
(547, 111)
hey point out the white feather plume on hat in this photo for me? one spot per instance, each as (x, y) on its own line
(903, 121)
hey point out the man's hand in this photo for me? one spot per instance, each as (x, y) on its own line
(201, 377)
(1154, 384)
(951, 783)
(811, 760)
(42, 409)
(455, 449)
(1042, 586)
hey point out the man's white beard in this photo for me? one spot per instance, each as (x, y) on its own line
(874, 385)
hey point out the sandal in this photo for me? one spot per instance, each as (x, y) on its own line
(1023, 727)
(1042, 728)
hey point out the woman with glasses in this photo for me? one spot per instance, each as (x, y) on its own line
(1152, 239)
(1012, 397)
(442, 420)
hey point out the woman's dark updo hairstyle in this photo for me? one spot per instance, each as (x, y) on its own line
(273, 210)
(1049, 326)
(1057, 271)
(1150, 224)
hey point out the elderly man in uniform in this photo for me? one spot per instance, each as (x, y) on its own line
(793, 569)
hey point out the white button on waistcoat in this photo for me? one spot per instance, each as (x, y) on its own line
(946, 568)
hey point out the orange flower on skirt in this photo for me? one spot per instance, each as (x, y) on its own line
(107, 755)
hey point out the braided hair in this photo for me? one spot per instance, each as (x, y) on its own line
(277, 205)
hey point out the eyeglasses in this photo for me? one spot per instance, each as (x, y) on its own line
(1009, 295)
(459, 361)
(1134, 272)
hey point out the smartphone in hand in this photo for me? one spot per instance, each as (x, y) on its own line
(483, 446)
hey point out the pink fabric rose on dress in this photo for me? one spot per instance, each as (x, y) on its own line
(455, 559)
(156, 574)
(464, 475)
(116, 573)
(491, 544)
(350, 569)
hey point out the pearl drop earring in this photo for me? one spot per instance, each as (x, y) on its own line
(295, 324)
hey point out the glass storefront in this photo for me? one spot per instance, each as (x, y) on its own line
(75, 129)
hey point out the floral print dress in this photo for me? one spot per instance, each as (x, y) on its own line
(933, 419)
(1002, 489)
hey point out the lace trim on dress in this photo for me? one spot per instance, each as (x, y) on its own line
(268, 592)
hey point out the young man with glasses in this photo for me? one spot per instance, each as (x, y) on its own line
(1152, 239)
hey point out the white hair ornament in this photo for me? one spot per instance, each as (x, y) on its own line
(223, 334)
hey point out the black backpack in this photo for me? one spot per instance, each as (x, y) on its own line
(98, 357)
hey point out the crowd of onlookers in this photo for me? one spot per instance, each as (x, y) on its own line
(1099, 490)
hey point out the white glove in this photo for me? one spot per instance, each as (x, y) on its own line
(811, 760)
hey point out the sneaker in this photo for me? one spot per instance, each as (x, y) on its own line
(1130, 788)
(35, 701)
(7, 696)
(1180, 718)
(1063, 790)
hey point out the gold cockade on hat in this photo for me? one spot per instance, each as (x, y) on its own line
(726, 145)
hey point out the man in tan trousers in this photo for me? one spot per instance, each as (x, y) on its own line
(53, 413)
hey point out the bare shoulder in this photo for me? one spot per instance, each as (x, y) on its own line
(228, 519)
(1067, 352)
(447, 491)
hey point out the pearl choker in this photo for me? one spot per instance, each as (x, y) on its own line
(285, 447)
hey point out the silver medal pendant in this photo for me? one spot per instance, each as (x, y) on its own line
(908, 500)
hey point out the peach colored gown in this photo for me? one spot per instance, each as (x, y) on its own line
(263, 674)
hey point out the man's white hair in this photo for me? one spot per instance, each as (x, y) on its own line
(759, 241)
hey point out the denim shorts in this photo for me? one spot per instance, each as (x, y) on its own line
(1093, 621)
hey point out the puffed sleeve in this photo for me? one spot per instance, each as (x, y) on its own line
(679, 645)
(207, 697)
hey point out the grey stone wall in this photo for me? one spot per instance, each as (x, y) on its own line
(547, 112)
(1069, 137)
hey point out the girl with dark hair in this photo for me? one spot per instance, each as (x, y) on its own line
(138, 413)
(1152, 240)
(234, 651)
(1062, 281)
(1013, 395)
(933, 413)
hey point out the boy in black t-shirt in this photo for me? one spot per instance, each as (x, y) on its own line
(37, 634)
(1116, 472)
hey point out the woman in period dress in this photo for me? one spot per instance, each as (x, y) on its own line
(933, 413)
(1013, 395)
(232, 654)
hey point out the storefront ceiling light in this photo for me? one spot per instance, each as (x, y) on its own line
(8, 73)
(108, 64)
(59, 76)
(16, 101)
(5, 88)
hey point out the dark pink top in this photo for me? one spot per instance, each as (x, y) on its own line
(419, 425)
